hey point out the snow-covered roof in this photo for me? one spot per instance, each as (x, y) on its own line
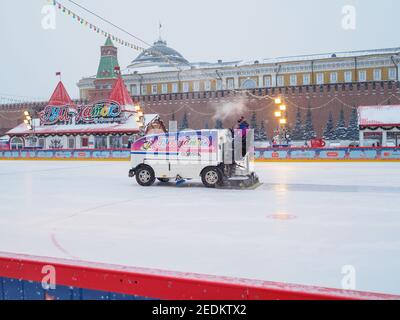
(379, 115)
(130, 126)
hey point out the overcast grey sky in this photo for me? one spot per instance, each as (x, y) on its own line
(205, 30)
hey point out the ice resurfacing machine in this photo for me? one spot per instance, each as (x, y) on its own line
(222, 158)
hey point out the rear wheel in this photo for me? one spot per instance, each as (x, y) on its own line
(145, 176)
(163, 180)
(211, 177)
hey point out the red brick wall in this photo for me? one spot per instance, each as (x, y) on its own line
(201, 107)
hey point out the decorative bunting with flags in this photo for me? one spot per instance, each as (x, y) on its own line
(98, 30)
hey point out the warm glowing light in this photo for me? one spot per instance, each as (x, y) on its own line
(137, 107)
(137, 119)
(26, 121)
(283, 107)
(278, 101)
(140, 114)
(26, 113)
(278, 114)
(283, 121)
(28, 118)
(29, 128)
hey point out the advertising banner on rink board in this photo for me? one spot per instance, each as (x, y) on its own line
(272, 154)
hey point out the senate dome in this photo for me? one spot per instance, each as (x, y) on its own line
(159, 55)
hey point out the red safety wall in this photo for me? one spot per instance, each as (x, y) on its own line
(164, 285)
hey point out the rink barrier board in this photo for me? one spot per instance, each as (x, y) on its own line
(21, 278)
(261, 155)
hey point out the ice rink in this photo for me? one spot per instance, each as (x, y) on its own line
(302, 226)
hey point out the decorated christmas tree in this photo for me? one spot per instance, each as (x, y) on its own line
(341, 129)
(298, 132)
(353, 130)
(309, 132)
(329, 133)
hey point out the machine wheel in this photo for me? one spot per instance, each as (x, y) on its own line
(163, 180)
(211, 177)
(145, 176)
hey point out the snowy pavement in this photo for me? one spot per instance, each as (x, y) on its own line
(305, 223)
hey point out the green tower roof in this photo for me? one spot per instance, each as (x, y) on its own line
(109, 43)
(108, 62)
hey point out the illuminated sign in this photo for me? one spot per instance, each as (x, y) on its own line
(101, 112)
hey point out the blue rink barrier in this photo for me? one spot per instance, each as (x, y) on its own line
(327, 154)
(261, 154)
(25, 277)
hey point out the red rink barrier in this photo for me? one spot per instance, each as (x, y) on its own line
(165, 285)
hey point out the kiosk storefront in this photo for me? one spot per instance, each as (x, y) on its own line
(379, 126)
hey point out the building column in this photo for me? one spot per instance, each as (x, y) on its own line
(361, 138)
(384, 138)
(237, 84)
(261, 81)
(273, 79)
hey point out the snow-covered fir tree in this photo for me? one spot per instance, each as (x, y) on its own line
(185, 122)
(353, 130)
(253, 125)
(341, 129)
(262, 133)
(219, 124)
(309, 132)
(329, 133)
(298, 131)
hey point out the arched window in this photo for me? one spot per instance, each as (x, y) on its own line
(249, 84)
(17, 143)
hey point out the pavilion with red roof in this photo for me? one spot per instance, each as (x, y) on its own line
(380, 125)
(62, 124)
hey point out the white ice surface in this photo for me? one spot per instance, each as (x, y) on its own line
(302, 226)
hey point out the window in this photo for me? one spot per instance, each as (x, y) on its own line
(207, 85)
(348, 76)
(42, 143)
(377, 74)
(293, 80)
(306, 79)
(268, 82)
(115, 142)
(154, 89)
(71, 143)
(362, 76)
(280, 81)
(392, 74)
(164, 88)
(175, 88)
(196, 86)
(320, 78)
(185, 87)
(334, 77)
(100, 142)
(249, 84)
(219, 84)
(134, 90)
(144, 90)
(17, 143)
(84, 142)
(231, 84)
